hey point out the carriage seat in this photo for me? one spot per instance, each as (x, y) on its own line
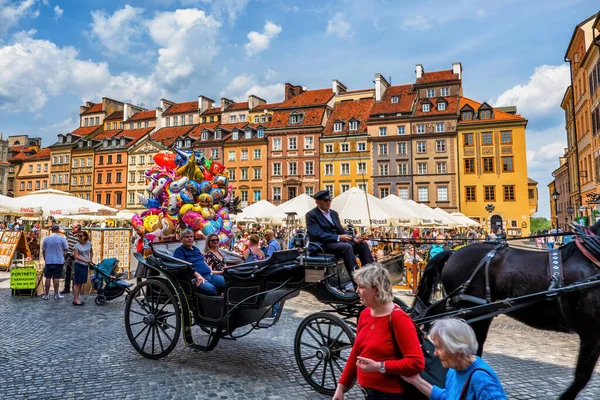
(319, 258)
(258, 269)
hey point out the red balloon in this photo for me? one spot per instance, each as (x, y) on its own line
(166, 160)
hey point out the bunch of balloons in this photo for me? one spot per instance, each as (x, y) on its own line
(186, 190)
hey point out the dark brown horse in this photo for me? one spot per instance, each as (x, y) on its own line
(513, 273)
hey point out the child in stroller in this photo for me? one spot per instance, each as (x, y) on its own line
(107, 282)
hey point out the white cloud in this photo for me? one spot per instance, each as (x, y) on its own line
(338, 26)
(548, 153)
(244, 85)
(541, 95)
(420, 22)
(259, 42)
(292, 9)
(229, 8)
(11, 13)
(116, 33)
(67, 125)
(58, 12)
(270, 74)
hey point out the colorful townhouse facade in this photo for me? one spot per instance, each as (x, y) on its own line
(19, 148)
(493, 170)
(33, 174)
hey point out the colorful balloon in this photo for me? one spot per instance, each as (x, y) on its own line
(166, 160)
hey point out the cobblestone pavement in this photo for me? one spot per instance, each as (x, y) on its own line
(50, 349)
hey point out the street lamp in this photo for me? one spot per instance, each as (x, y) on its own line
(554, 196)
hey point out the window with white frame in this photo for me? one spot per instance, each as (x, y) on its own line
(90, 162)
(257, 154)
(309, 191)
(309, 143)
(204, 135)
(22, 185)
(260, 133)
(85, 120)
(439, 127)
(345, 168)
(361, 146)
(232, 119)
(97, 120)
(131, 176)
(403, 193)
(248, 134)
(88, 180)
(401, 148)
(256, 196)
(430, 92)
(256, 119)
(142, 159)
(309, 168)
(441, 167)
(131, 197)
(420, 128)
(328, 148)
(295, 118)
(426, 107)
(244, 155)
(403, 169)
(328, 169)
(421, 147)
(442, 193)
(257, 172)
(337, 126)
(394, 99)
(422, 168)
(214, 153)
(401, 130)
(244, 174)
(167, 120)
(383, 131)
(384, 192)
(384, 169)
(182, 119)
(231, 174)
(244, 196)
(440, 146)
(292, 143)
(276, 194)
(441, 106)
(73, 181)
(218, 134)
(242, 117)
(362, 186)
(383, 149)
(190, 119)
(276, 169)
(263, 119)
(330, 189)
(277, 144)
(174, 121)
(423, 193)
(53, 179)
(361, 167)
(231, 155)
(353, 126)
(132, 160)
(344, 147)
(235, 135)
(344, 187)
(445, 91)
(75, 164)
(292, 168)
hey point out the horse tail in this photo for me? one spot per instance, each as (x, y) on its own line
(431, 277)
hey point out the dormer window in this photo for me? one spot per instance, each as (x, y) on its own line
(256, 119)
(248, 134)
(89, 143)
(188, 142)
(296, 118)
(80, 144)
(61, 139)
(353, 126)
(179, 143)
(426, 107)
(337, 126)
(235, 135)
(106, 143)
(69, 138)
(467, 115)
(204, 135)
(218, 134)
(122, 141)
(114, 142)
(262, 119)
(395, 99)
(441, 106)
(485, 114)
(261, 132)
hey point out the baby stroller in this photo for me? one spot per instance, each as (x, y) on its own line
(107, 282)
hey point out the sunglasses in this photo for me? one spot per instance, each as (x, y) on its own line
(327, 200)
(214, 240)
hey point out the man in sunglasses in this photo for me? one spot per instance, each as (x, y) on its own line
(325, 232)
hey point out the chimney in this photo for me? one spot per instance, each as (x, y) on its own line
(255, 101)
(457, 69)
(381, 86)
(338, 87)
(204, 103)
(159, 120)
(82, 109)
(225, 103)
(164, 104)
(88, 104)
(420, 71)
(291, 90)
(126, 111)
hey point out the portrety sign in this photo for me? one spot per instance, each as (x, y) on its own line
(23, 278)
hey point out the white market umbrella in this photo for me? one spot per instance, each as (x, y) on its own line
(56, 203)
(81, 217)
(125, 215)
(439, 219)
(398, 209)
(427, 217)
(299, 204)
(9, 205)
(466, 220)
(255, 212)
(360, 209)
(457, 221)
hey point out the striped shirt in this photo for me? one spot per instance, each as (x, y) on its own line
(72, 240)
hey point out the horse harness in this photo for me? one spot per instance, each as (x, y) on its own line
(557, 281)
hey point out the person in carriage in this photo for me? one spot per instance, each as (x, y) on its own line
(326, 233)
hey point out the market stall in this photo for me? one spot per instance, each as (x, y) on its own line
(360, 209)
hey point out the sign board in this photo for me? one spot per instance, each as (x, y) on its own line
(23, 278)
(570, 210)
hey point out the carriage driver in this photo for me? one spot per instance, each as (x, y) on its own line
(206, 282)
(325, 231)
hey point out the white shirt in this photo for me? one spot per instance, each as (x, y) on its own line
(327, 215)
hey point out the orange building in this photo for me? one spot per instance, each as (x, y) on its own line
(110, 165)
(34, 173)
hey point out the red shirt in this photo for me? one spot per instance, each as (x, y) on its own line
(374, 340)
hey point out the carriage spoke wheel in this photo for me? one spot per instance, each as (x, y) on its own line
(152, 319)
(322, 346)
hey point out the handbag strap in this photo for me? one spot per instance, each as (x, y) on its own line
(391, 323)
(465, 389)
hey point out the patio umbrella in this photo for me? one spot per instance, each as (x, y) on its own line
(457, 221)
(358, 209)
(427, 216)
(466, 220)
(53, 203)
(398, 209)
(255, 212)
(299, 204)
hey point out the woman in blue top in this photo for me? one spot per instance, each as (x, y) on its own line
(456, 346)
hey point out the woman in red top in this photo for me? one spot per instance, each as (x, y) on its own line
(374, 358)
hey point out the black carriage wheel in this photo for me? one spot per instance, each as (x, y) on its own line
(152, 319)
(322, 346)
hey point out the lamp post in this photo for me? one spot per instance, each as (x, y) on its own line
(554, 196)
(290, 222)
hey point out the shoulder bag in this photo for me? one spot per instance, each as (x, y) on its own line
(465, 389)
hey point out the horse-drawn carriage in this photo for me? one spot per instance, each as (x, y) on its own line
(166, 304)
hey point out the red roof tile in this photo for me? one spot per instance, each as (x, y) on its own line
(142, 115)
(182, 108)
(310, 98)
(211, 142)
(344, 111)
(117, 115)
(231, 127)
(451, 107)
(197, 131)
(237, 106)
(263, 107)
(358, 91)
(212, 111)
(437, 76)
(96, 108)
(85, 130)
(497, 115)
(312, 117)
(405, 96)
(21, 148)
(44, 153)
(167, 136)
(134, 135)
(18, 157)
(107, 134)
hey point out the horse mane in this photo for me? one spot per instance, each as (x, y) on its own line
(567, 250)
(432, 275)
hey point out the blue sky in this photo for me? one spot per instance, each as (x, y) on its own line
(55, 55)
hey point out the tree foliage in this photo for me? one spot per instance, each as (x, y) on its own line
(539, 224)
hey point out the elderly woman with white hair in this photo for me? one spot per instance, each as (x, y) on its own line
(469, 377)
(386, 344)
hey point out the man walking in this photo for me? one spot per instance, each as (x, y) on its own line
(53, 248)
(72, 240)
(272, 243)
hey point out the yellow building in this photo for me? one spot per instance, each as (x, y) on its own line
(493, 167)
(345, 150)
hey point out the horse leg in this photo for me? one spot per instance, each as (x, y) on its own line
(589, 351)
(481, 329)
